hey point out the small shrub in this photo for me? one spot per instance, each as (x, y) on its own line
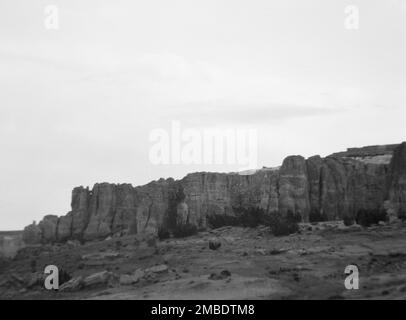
(251, 217)
(316, 216)
(64, 276)
(220, 220)
(214, 245)
(245, 217)
(284, 225)
(348, 221)
(367, 217)
(33, 265)
(402, 214)
(184, 230)
(118, 245)
(163, 234)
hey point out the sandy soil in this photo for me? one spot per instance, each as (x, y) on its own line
(308, 265)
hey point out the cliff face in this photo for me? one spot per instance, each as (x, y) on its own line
(397, 181)
(331, 187)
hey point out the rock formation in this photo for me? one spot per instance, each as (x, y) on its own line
(397, 181)
(331, 188)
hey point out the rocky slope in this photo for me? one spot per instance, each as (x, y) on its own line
(332, 188)
(10, 243)
(250, 263)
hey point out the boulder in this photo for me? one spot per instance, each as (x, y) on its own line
(129, 279)
(225, 274)
(73, 284)
(48, 227)
(157, 269)
(98, 279)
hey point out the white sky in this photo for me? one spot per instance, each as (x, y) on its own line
(77, 104)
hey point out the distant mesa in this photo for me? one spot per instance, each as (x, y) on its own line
(335, 187)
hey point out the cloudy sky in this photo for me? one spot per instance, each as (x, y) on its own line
(77, 104)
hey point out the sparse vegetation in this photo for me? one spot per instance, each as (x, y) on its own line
(163, 233)
(367, 217)
(245, 217)
(33, 265)
(251, 217)
(284, 225)
(220, 220)
(348, 221)
(184, 230)
(316, 216)
(118, 245)
(402, 214)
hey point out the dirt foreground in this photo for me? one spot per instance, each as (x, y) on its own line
(249, 264)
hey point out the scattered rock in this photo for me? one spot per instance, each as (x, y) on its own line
(101, 256)
(73, 284)
(261, 251)
(36, 279)
(100, 278)
(138, 275)
(17, 278)
(157, 269)
(223, 275)
(277, 251)
(126, 280)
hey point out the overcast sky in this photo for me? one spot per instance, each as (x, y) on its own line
(77, 104)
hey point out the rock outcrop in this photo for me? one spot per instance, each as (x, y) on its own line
(330, 188)
(32, 234)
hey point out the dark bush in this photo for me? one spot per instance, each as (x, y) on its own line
(118, 245)
(64, 276)
(245, 217)
(214, 245)
(369, 217)
(251, 217)
(220, 220)
(402, 214)
(284, 225)
(316, 216)
(163, 234)
(348, 221)
(184, 230)
(33, 265)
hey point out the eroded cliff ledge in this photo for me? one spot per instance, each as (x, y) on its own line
(332, 188)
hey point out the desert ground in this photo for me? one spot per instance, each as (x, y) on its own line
(249, 264)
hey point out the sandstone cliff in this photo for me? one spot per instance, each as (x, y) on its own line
(331, 188)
